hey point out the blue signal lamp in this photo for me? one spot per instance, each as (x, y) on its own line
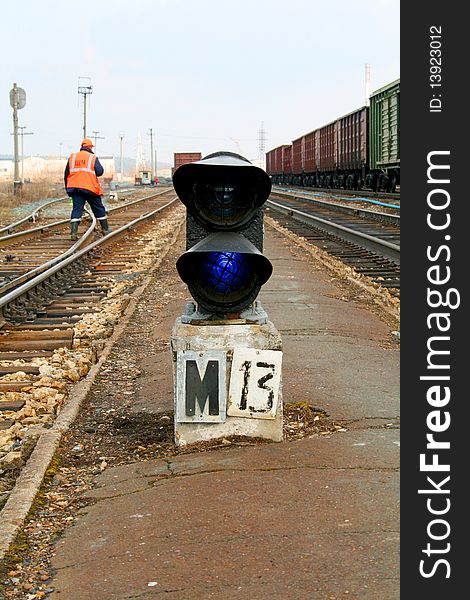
(224, 272)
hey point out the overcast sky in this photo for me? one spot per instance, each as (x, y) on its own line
(203, 74)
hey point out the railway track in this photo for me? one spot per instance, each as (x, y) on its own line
(365, 202)
(369, 245)
(22, 247)
(325, 205)
(54, 283)
(394, 197)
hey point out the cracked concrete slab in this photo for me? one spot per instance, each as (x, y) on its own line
(231, 527)
(350, 450)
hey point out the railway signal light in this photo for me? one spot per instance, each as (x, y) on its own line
(224, 266)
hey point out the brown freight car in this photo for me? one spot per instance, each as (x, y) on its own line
(279, 160)
(182, 158)
(287, 160)
(298, 157)
(310, 162)
(328, 136)
(270, 162)
(351, 146)
(311, 157)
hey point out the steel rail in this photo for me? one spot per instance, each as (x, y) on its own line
(372, 194)
(32, 216)
(5, 240)
(40, 268)
(381, 247)
(366, 212)
(63, 261)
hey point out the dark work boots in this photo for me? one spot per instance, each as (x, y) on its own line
(74, 231)
(105, 226)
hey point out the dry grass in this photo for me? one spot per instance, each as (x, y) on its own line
(29, 193)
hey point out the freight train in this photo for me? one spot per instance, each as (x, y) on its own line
(358, 150)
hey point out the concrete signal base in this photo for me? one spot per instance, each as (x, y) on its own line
(214, 345)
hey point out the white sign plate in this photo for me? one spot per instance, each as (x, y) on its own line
(254, 383)
(201, 386)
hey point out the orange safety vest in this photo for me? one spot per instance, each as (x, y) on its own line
(82, 172)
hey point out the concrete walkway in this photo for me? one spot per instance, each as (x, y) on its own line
(316, 518)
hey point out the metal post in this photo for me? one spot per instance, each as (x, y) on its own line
(84, 115)
(151, 152)
(121, 136)
(23, 133)
(22, 155)
(16, 176)
(84, 90)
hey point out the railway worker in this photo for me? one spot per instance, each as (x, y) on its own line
(82, 185)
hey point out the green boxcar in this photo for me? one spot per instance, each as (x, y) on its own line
(384, 129)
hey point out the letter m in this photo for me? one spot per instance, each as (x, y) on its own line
(432, 352)
(201, 390)
(432, 166)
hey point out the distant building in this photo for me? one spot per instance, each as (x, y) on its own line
(6, 169)
(38, 168)
(109, 166)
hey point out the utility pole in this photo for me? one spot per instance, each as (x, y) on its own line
(85, 89)
(17, 101)
(151, 151)
(140, 162)
(121, 137)
(95, 136)
(23, 133)
(60, 150)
